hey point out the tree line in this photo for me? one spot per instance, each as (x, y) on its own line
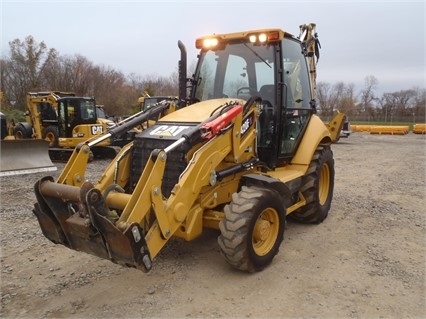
(32, 66)
(400, 106)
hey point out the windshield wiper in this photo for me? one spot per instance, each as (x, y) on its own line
(256, 54)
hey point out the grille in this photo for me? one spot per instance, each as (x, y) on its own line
(175, 165)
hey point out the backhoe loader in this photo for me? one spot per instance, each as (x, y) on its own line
(240, 152)
(64, 120)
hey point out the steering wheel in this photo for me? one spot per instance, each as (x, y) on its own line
(246, 88)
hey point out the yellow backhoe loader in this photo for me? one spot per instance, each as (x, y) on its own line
(244, 153)
(62, 119)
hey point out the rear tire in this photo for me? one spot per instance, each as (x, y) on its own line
(253, 228)
(51, 135)
(317, 188)
(22, 131)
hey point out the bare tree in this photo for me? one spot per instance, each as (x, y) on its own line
(368, 96)
(339, 97)
(110, 89)
(323, 97)
(347, 102)
(418, 108)
(396, 105)
(24, 69)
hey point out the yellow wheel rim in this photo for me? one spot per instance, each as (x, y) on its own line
(50, 137)
(265, 231)
(324, 184)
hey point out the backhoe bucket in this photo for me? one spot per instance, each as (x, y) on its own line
(25, 157)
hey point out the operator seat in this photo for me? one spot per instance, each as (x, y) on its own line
(267, 93)
(266, 118)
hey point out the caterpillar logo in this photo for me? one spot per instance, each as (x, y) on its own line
(168, 130)
(97, 129)
(246, 125)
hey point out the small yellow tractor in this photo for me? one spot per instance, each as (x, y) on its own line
(242, 151)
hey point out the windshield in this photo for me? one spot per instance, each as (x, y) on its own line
(87, 109)
(100, 113)
(150, 101)
(239, 70)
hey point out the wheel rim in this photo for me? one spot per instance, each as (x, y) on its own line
(265, 231)
(324, 184)
(50, 137)
(19, 135)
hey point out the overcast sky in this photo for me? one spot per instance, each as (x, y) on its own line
(381, 38)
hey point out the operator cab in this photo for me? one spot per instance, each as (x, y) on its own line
(73, 112)
(269, 64)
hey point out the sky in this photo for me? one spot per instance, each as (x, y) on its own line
(385, 39)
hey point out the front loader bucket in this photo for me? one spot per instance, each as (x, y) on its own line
(78, 218)
(25, 157)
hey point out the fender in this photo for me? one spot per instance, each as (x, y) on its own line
(316, 133)
(269, 183)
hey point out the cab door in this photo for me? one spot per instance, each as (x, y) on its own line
(297, 98)
(66, 114)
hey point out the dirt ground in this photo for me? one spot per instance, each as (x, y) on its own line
(366, 260)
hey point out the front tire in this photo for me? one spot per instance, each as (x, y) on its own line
(51, 135)
(253, 228)
(317, 188)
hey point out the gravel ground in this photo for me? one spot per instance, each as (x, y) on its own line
(366, 260)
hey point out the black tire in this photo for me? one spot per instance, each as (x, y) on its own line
(253, 228)
(103, 152)
(3, 125)
(22, 130)
(317, 187)
(51, 135)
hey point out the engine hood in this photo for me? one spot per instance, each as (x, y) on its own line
(198, 112)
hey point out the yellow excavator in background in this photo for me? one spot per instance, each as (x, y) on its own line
(246, 152)
(62, 119)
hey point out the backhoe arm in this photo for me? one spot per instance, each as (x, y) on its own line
(311, 46)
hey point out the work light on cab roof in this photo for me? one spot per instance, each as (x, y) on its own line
(258, 36)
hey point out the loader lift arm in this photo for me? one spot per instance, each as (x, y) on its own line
(128, 239)
(74, 171)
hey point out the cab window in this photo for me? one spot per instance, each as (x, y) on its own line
(298, 96)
